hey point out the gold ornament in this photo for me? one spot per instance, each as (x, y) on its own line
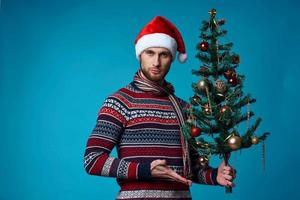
(202, 85)
(220, 86)
(206, 109)
(219, 97)
(254, 140)
(203, 160)
(195, 100)
(189, 120)
(234, 141)
(202, 145)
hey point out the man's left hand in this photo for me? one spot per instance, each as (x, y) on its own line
(226, 175)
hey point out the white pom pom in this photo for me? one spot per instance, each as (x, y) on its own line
(182, 57)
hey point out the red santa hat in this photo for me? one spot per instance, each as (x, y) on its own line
(160, 32)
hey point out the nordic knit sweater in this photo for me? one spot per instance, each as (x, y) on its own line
(143, 127)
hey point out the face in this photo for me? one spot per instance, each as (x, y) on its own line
(155, 63)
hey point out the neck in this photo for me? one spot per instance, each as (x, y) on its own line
(159, 88)
(160, 82)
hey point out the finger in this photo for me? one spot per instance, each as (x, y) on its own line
(179, 178)
(231, 173)
(228, 177)
(162, 169)
(155, 163)
(167, 172)
(226, 172)
(161, 162)
(234, 171)
(173, 175)
(223, 163)
(227, 168)
(231, 184)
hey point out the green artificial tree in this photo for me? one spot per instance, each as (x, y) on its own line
(216, 108)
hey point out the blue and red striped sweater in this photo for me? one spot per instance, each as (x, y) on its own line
(143, 127)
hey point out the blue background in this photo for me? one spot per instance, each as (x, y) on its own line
(59, 59)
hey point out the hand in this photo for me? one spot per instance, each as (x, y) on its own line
(226, 175)
(160, 169)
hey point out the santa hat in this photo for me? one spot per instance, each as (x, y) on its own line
(160, 32)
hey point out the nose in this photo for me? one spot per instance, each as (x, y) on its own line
(156, 61)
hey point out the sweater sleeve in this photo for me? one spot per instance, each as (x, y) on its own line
(202, 174)
(111, 121)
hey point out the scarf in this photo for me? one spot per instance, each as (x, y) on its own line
(166, 89)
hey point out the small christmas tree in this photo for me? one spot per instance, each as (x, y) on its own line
(216, 108)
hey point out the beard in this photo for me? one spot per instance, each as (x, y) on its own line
(158, 78)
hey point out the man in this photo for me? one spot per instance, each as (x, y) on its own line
(143, 121)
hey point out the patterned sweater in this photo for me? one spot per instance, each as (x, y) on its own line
(143, 127)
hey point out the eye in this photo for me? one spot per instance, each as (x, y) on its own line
(165, 54)
(149, 52)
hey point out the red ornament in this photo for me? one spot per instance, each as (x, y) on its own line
(203, 69)
(224, 109)
(188, 106)
(203, 46)
(221, 22)
(196, 98)
(233, 81)
(195, 131)
(229, 73)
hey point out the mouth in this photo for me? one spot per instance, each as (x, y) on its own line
(155, 71)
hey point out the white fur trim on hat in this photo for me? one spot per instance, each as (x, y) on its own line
(156, 40)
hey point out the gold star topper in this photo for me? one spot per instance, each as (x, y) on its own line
(213, 12)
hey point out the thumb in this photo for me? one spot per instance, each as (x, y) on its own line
(221, 166)
(222, 163)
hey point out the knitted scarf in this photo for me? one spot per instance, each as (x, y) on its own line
(166, 89)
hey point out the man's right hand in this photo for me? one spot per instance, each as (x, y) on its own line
(160, 169)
